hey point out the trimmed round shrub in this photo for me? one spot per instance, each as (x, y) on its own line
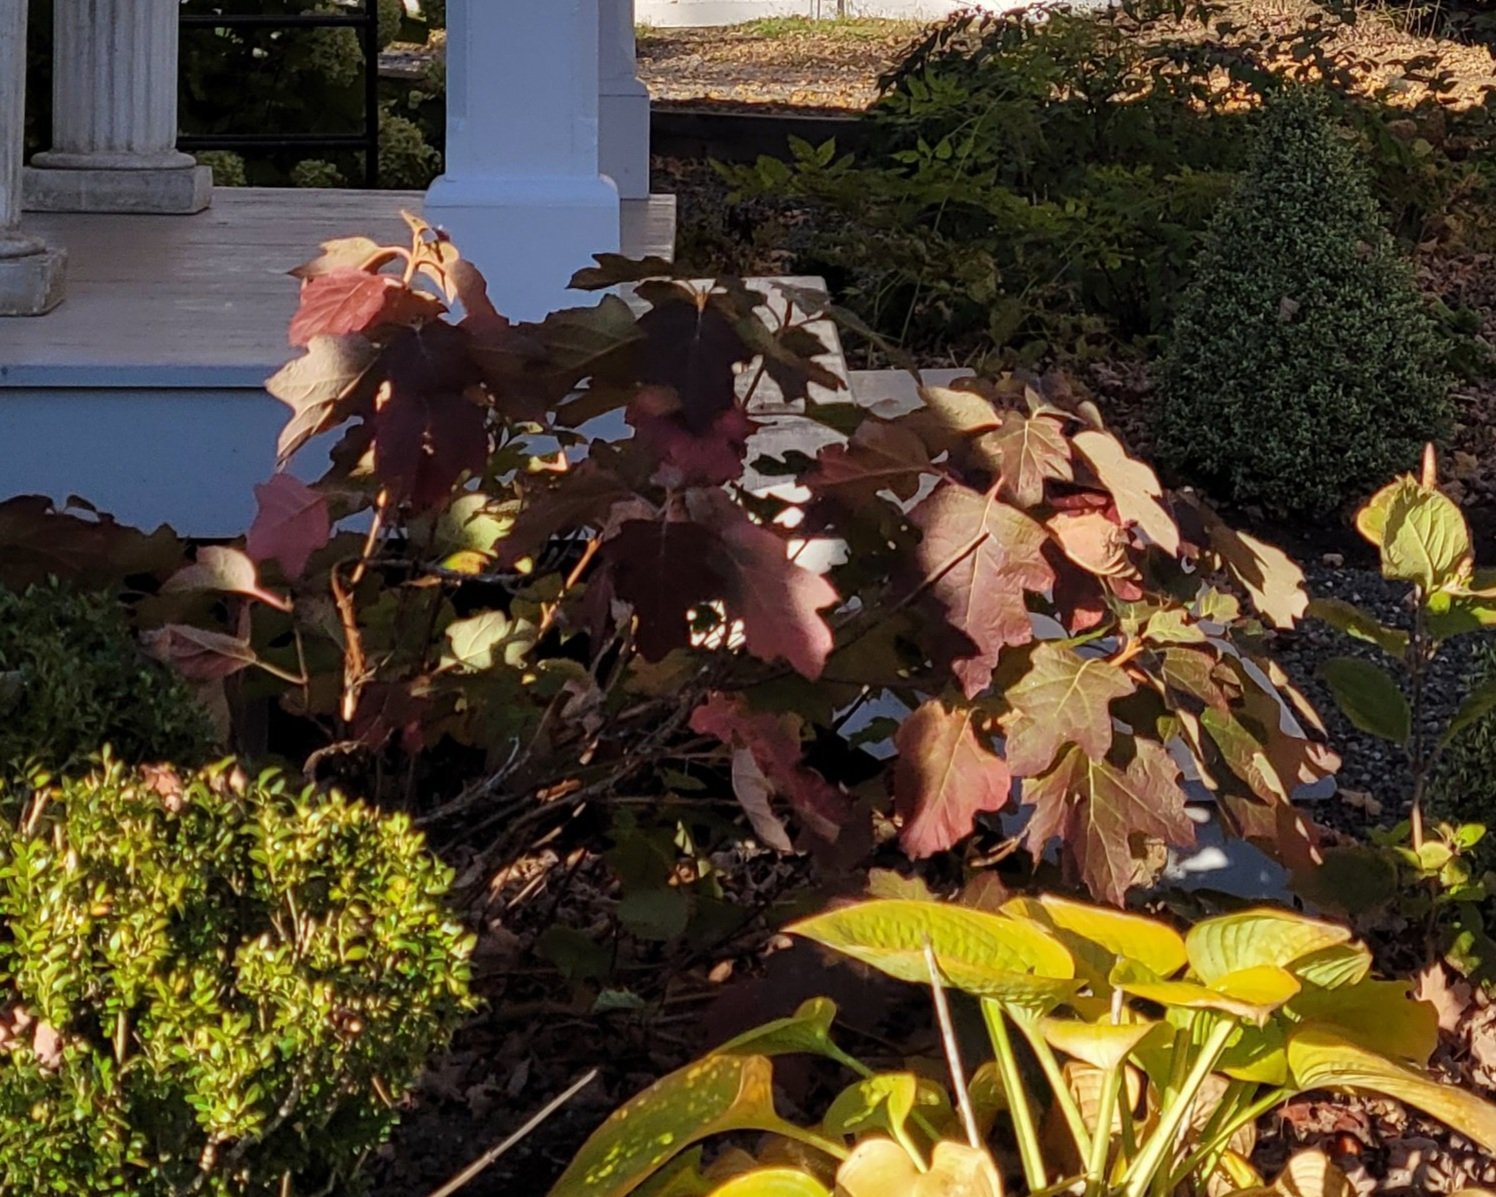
(73, 678)
(1304, 366)
(406, 159)
(314, 172)
(210, 983)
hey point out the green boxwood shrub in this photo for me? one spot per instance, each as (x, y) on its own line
(1303, 366)
(73, 678)
(210, 983)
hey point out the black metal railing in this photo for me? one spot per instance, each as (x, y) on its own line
(366, 22)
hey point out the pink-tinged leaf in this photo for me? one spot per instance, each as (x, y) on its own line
(323, 388)
(751, 787)
(778, 601)
(197, 654)
(1134, 487)
(944, 778)
(1104, 816)
(293, 522)
(1095, 542)
(347, 300)
(774, 744)
(220, 570)
(980, 556)
(1064, 698)
(1027, 451)
(347, 253)
(688, 458)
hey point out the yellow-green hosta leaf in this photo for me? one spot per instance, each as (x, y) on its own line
(1334, 967)
(882, 1102)
(681, 1177)
(1379, 1015)
(773, 1182)
(1258, 1054)
(711, 1097)
(1231, 943)
(985, 954)
(807, 1030)
(1099, 936)
(1251, 993)
(1320, 1059)
(1099, 1044)
(880, 1168)
(1308, 1174)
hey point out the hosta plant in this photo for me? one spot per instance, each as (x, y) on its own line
(1158, 1053)
(580, 563)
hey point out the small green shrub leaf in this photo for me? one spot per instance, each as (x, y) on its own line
(1362, 625)
(1421, 534)
(1369, 697)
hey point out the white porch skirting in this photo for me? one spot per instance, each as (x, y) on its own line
(143, 393)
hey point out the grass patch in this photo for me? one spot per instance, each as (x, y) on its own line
(840, 28)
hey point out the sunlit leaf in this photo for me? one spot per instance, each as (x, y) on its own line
(773, 1182)
(1361, 625)
(880, 1168)
(1133, 484)
(1420, 533)
(980, 953)
(718, 1094)
(1323, 1060)
(1230, 943)
(1118, 934)
(1064, 698)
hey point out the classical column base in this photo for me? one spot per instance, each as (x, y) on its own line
(173, 191)
(31, 283)
(528, 235)
(623, 137)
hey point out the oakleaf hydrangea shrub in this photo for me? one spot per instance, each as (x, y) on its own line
(211, 983)
(1303, 365)
(73, 678)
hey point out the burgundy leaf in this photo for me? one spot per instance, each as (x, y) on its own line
(687, 458)
(344, 300)
(693, 348)
(660, 569)
(197, 654)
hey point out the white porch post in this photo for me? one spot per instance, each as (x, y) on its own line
(523, 196)
(30, 273)
(623, 103)
(114, 125)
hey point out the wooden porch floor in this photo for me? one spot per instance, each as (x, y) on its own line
(204, 301)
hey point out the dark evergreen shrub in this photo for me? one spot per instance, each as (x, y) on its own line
(1304, 365)
(73, 678)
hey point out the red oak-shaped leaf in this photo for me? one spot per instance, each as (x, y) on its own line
(944, 778)
(692, 347)
(778, 601)
(424, 442)
(1064, 698)
(880, 456)
(774, 742)
(660, 569)
(981, 555)
(348, 300)
(292, 523)
(223, 570)
(1267, 573)
(1134, 487)
(322, 388)
(1103, 815)
(199, 655)
(684, 456)
(1026, 452)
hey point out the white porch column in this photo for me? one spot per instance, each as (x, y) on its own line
(30, 273)
(114, 124)
(623, 103)
(522, 196)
